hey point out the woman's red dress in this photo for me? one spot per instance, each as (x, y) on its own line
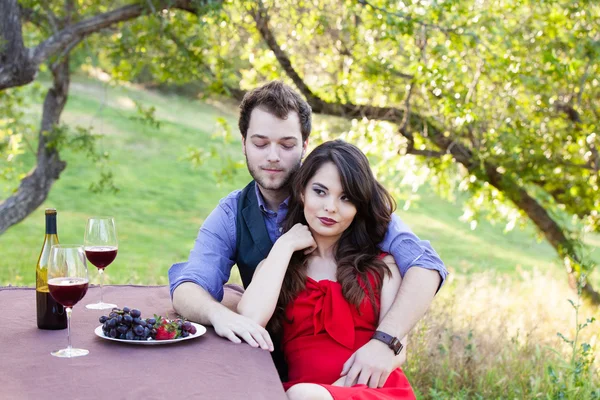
(323, 331)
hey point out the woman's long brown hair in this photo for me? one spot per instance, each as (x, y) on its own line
(356, 253)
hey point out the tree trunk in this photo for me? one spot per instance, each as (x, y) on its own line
(34, 188)
(14, 56)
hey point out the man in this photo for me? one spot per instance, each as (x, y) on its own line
(275, 123)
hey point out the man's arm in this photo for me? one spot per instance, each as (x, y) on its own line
(419, 285)
(210, 261)
(197, 285)
(414, 297)
(196, 304)
(373, 374)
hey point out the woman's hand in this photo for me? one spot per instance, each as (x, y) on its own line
(299, 238)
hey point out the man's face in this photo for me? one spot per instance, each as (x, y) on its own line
(273, 148)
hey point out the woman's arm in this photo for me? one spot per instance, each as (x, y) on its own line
(260, 298)
(389, 288)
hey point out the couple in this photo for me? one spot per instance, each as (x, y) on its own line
(338, 307)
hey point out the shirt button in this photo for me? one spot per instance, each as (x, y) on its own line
(280, 230)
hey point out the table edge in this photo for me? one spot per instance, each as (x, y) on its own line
(10, 287)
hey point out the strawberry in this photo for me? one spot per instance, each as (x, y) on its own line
(166, 329)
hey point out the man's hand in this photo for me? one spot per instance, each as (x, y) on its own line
(340, 381)
(234, 326)
(370, 365)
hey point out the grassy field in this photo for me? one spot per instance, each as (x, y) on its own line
(163, 199)
(490, 334)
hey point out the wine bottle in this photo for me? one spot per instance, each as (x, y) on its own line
(50, 314)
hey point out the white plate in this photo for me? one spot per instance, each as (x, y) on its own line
(200, 330)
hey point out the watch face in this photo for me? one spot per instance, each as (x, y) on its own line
(392, 342)
(396, 346)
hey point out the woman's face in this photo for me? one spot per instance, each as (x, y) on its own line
(326, 207)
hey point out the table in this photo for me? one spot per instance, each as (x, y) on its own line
(208, 367)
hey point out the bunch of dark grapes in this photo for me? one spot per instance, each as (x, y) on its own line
(127, 324)
(186, 328)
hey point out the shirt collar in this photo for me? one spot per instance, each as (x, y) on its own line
(261, 200)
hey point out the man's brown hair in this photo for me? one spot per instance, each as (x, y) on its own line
(278, 99)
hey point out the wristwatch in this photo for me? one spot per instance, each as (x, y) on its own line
(392, 342)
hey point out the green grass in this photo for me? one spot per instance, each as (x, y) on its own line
(163, 199)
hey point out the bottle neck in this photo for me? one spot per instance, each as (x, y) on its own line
(50, 224)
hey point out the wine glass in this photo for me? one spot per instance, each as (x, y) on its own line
(68, 283)
(101, 247)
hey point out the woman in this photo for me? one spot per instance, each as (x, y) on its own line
(325, 285)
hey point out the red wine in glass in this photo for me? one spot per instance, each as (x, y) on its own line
(67, 283)
(101, 256)
(68, 291)
(101, 246)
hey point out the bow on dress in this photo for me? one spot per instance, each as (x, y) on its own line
(332, 312)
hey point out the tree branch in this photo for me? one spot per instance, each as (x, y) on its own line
(66, 52)
(22, 69)
(52, 20)
(473, 85)
(425, 153)
(29, 15)
(574, 116)
(404, 123)
(410, 18)
(568, 109)
(69, 10)
(318, 105)
(582, 82)
(400, 74)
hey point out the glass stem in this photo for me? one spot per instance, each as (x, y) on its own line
(69, 311)
(101, 271)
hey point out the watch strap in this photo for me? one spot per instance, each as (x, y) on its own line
(392, 342)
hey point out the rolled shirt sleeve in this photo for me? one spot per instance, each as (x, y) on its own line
(410, 251)
(213, 255)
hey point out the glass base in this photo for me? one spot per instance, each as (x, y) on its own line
(70, 353)
(100, 306)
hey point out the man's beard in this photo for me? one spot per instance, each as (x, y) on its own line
(263, 181)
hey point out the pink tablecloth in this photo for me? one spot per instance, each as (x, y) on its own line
(208, 367)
